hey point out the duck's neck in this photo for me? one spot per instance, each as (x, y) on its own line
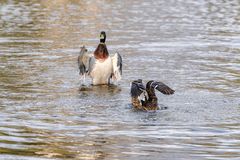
(151, 93)
(152, 103)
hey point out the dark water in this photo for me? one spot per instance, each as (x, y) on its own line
(193, 46)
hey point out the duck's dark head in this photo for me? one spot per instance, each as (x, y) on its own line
(102, 37)
(149, 84)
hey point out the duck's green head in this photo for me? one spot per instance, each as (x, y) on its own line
(102, 37)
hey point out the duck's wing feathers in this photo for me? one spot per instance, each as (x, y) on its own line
(163, 88)
(85, 62)
(90, 64)
(117, 66)
(138, 90)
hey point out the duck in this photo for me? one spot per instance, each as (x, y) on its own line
(144, 98)
(100, 66)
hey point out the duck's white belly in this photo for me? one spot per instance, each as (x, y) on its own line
(102, 71)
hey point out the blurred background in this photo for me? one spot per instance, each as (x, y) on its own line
(192, 46)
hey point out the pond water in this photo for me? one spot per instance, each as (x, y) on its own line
(192, 46)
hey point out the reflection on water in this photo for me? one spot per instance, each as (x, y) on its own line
(46, 112)
(102, 90)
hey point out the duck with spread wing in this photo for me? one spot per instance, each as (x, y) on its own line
(100, 66)
(144, 98)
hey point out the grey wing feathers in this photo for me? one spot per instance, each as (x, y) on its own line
(138, 89)
(83, 61)
(117, 66)
(119, 62)
(90, 64)
(135, 90)
(81, 66)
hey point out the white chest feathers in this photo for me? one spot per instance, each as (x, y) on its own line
(102, 71)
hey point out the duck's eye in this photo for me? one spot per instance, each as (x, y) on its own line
(85, 50)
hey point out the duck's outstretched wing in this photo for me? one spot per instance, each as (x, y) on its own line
(138, 90)
(117, 66)
(85, 62)
(163, 88)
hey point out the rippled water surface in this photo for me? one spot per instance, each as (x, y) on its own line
(193, 46)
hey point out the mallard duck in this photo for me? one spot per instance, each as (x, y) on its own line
(144, 98)
(100, 66)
